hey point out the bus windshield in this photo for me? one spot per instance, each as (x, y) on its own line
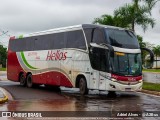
(121, 38)
(127, 64)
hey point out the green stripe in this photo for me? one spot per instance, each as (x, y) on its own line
(25, 61)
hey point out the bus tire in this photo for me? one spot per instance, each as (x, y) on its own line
(22, 80)
(112, 94)
(29, 81)
(83, 86)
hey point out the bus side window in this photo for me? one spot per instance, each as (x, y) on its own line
(29, 44)
(75, 39)
(88, 34)
(18, 45)
(41, 42)
(98, 36)
(58, 40)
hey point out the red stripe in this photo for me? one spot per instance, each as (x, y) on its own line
(126, 78)
(52, 78)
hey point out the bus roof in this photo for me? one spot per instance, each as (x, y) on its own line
(70, 28)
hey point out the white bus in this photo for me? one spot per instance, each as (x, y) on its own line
(85, 56)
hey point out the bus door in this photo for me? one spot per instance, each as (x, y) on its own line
(99, 58)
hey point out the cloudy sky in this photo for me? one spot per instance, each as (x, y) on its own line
(27, 16)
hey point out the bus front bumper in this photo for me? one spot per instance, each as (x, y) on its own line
(124, 86)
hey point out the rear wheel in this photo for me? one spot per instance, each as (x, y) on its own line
(83, 86)
(22, 80)
(29, 81)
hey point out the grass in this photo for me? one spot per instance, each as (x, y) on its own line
(2, 69)
(151, 86)
(151, 70)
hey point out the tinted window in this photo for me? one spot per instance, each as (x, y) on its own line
(17, 45)
(99, 59)
(30, 44)
(51, 41)
(98, 36)
(127, 64)
(58, 40)
(88, 34)
(75, 39)
(43, 42)
(122, 38)
(72, 39)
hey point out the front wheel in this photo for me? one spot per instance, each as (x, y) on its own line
(83, 86)
(29, 81)
(112, 94)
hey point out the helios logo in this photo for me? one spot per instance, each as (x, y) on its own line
(56, 55)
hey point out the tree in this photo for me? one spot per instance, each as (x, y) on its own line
(137, 13)
(156, 51)
(3, 55)
(110, 20)
(141, 43)
(129, 15)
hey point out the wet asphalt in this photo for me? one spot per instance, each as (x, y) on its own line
(69, 99)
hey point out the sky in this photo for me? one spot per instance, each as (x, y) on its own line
(26, 16)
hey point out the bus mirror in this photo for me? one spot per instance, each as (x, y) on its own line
(150, 52)
(111, 50)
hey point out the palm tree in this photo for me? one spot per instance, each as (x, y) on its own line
(156, 51)
(135, 14)
(110, 20)
(130, 15)
(141, 43)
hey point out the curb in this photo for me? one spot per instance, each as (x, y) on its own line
(4, 98)
(150, 72)
(150, 92)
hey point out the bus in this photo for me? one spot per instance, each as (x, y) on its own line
(87, 56)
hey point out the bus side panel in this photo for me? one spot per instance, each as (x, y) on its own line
(81, 66)
(13, 66)
(65, 81)
(52, 78)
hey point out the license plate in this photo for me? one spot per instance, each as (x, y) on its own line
(127, 89)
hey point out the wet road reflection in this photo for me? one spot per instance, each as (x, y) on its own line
(41, 99)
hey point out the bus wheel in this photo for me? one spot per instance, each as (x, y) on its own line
(83, 86)
(29, 81)
(112, 94)
(22, 80)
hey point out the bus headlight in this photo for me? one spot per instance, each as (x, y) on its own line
(113, 79)
(140, 81)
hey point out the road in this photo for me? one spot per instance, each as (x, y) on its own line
(42, 99)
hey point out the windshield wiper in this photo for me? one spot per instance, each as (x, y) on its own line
(129, 33)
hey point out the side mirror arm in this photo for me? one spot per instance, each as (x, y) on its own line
(111, 50)
(151, 54)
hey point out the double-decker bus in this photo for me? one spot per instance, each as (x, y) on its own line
(85, 56)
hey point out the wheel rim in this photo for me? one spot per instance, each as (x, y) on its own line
(22, 80)
(82, 85)
(29, 81)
